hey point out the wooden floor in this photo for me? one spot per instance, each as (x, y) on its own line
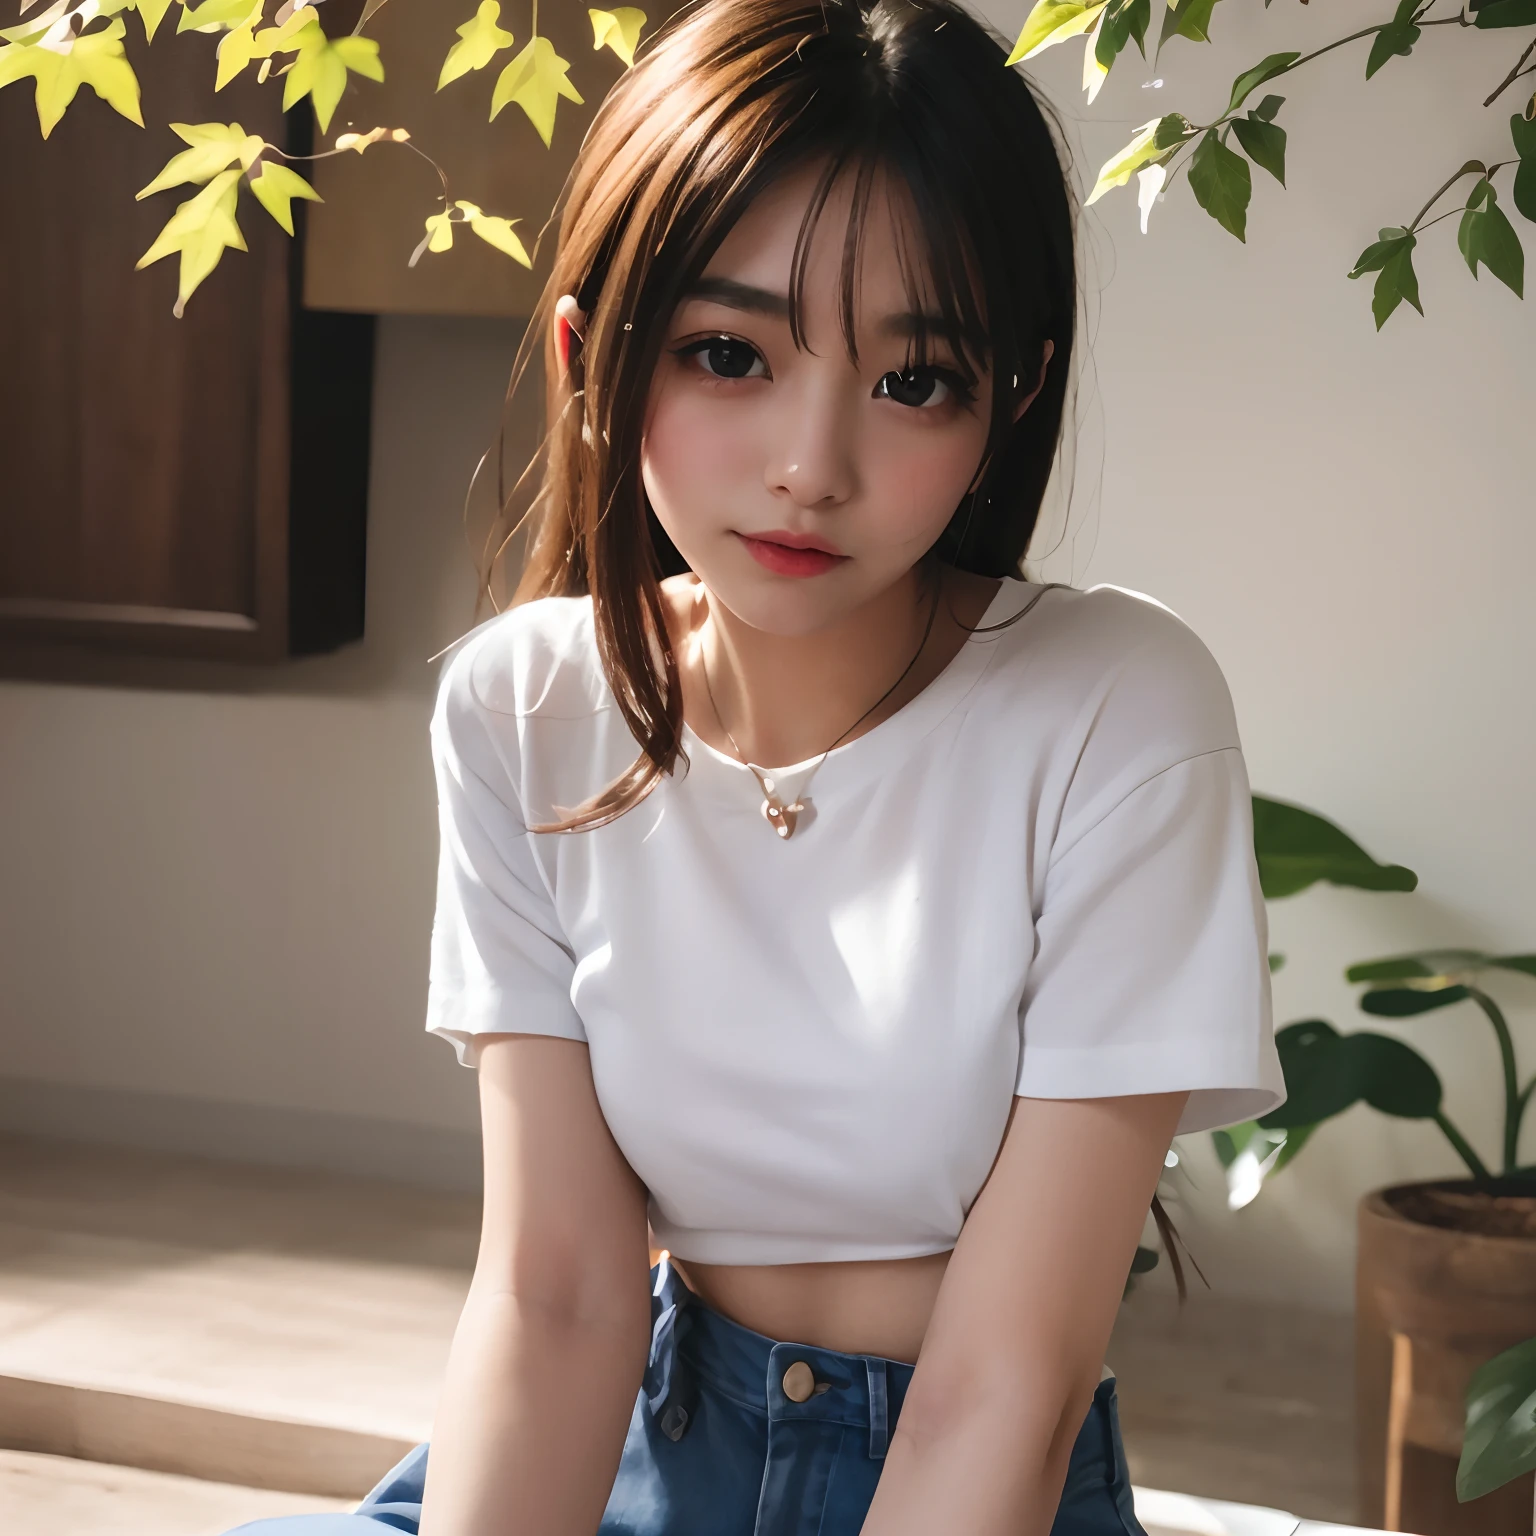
(280, 1330)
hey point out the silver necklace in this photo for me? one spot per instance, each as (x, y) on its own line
(776, 813)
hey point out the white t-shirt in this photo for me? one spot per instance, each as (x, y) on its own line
(1035, 878)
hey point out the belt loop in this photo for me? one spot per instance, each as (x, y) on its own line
(878, 1436)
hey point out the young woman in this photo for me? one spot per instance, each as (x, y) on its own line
(886, 1045)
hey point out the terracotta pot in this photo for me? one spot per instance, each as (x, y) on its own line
(1432, 1303)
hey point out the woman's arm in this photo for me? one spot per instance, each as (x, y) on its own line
(551, 1346)
(1016, 1343)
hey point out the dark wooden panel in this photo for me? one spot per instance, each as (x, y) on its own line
(146, 458)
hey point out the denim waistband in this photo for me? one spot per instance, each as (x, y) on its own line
(691, 1342)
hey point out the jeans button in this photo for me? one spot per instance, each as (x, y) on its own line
(799, 1382)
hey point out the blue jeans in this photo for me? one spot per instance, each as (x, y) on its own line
(716, 1448)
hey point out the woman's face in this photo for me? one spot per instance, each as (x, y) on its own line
(797, 484)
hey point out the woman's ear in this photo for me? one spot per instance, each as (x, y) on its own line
(570, 329)
(1024, 404)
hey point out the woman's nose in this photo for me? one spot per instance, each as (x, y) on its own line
(813, 459)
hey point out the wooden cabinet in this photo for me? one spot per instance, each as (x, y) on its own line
(194, 486)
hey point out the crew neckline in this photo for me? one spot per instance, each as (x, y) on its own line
(914, 720)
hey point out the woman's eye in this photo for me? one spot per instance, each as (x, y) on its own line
(725, 357)
(919, 387)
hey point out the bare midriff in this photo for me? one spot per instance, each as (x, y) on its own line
(868, 1307)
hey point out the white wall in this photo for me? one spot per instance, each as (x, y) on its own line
(217, 901)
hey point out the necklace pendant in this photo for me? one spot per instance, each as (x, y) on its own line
(779, 816)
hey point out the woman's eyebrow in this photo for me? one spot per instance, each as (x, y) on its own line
(752, 300)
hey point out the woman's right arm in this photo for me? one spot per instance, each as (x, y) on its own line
(552, 1344)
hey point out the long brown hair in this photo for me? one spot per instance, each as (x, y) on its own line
(727, 97)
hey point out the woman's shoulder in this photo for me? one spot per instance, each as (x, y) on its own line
(1118, 672)
(537, 658)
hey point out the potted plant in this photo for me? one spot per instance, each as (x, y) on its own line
(1446, 1273)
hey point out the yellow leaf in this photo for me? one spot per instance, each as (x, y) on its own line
(216, 15)
(619, 30)
(1053, 21)
(214, 146)
(497, 232)
(201, 229)
(45, 21)
(480, 41)
(276, 187)
(1119, 170)
(60, 68)
(534, 79)
(320, 70)
(152, 13)
(439, 236)
(236, 50)
(361, 141)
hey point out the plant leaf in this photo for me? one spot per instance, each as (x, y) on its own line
(1263, 142)
(495, 231)
(1506, 13)
(1406, 1002)
(1486, 236)
(1187, 18)
(276, 187)
(95, 59)
(214, 147)
(1500, 1442)
(618, 30)
(1297, 847)
(1523, 131)
(1123, 20)
(1526, 964)
(1051, 22)
(480, 40)
(201, 229)
(1152, 140)
(439, 236)
(1265, 69)
(1424, 965)
(1267, 108)
(152, 13)
(1220, 179)
(214, 15)
(1394, 1078)
(535, 79)
(1397, 37)
(1317, 1083)
(1391, 258)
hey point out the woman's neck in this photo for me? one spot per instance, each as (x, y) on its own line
(787, 698)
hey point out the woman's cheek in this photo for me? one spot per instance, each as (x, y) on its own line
(691, 453)
(921, 476)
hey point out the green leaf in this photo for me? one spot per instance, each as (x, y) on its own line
(1523, 132)
(1506, 13)
(95, 59)
(1422, 965)
(1265, 69)
(1123, 20)
(1394, 1078)
(1296, 1137)
(276, 187)
(214, 147)
(480, 40)
(1395, 282)
(1486, 236)
(1275, 962)
(1143, 148)
(1144, 1259)
(1317, 1082)
(1500, 1442)
(1397, 37)
(1526, 964)
(201, 229)
(535, 79)
(1220, 180)
(1051, 22)
(1263, 142)
(1407, 1002)
(1188, 18)
(618, 30)
(1297, 847)
(1267, 108)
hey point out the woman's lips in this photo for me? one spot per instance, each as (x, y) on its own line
(782, 560)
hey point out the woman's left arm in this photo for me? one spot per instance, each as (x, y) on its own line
(1016, 1344)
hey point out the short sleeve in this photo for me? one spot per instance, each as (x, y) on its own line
(1151, 969)
(500, 963)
